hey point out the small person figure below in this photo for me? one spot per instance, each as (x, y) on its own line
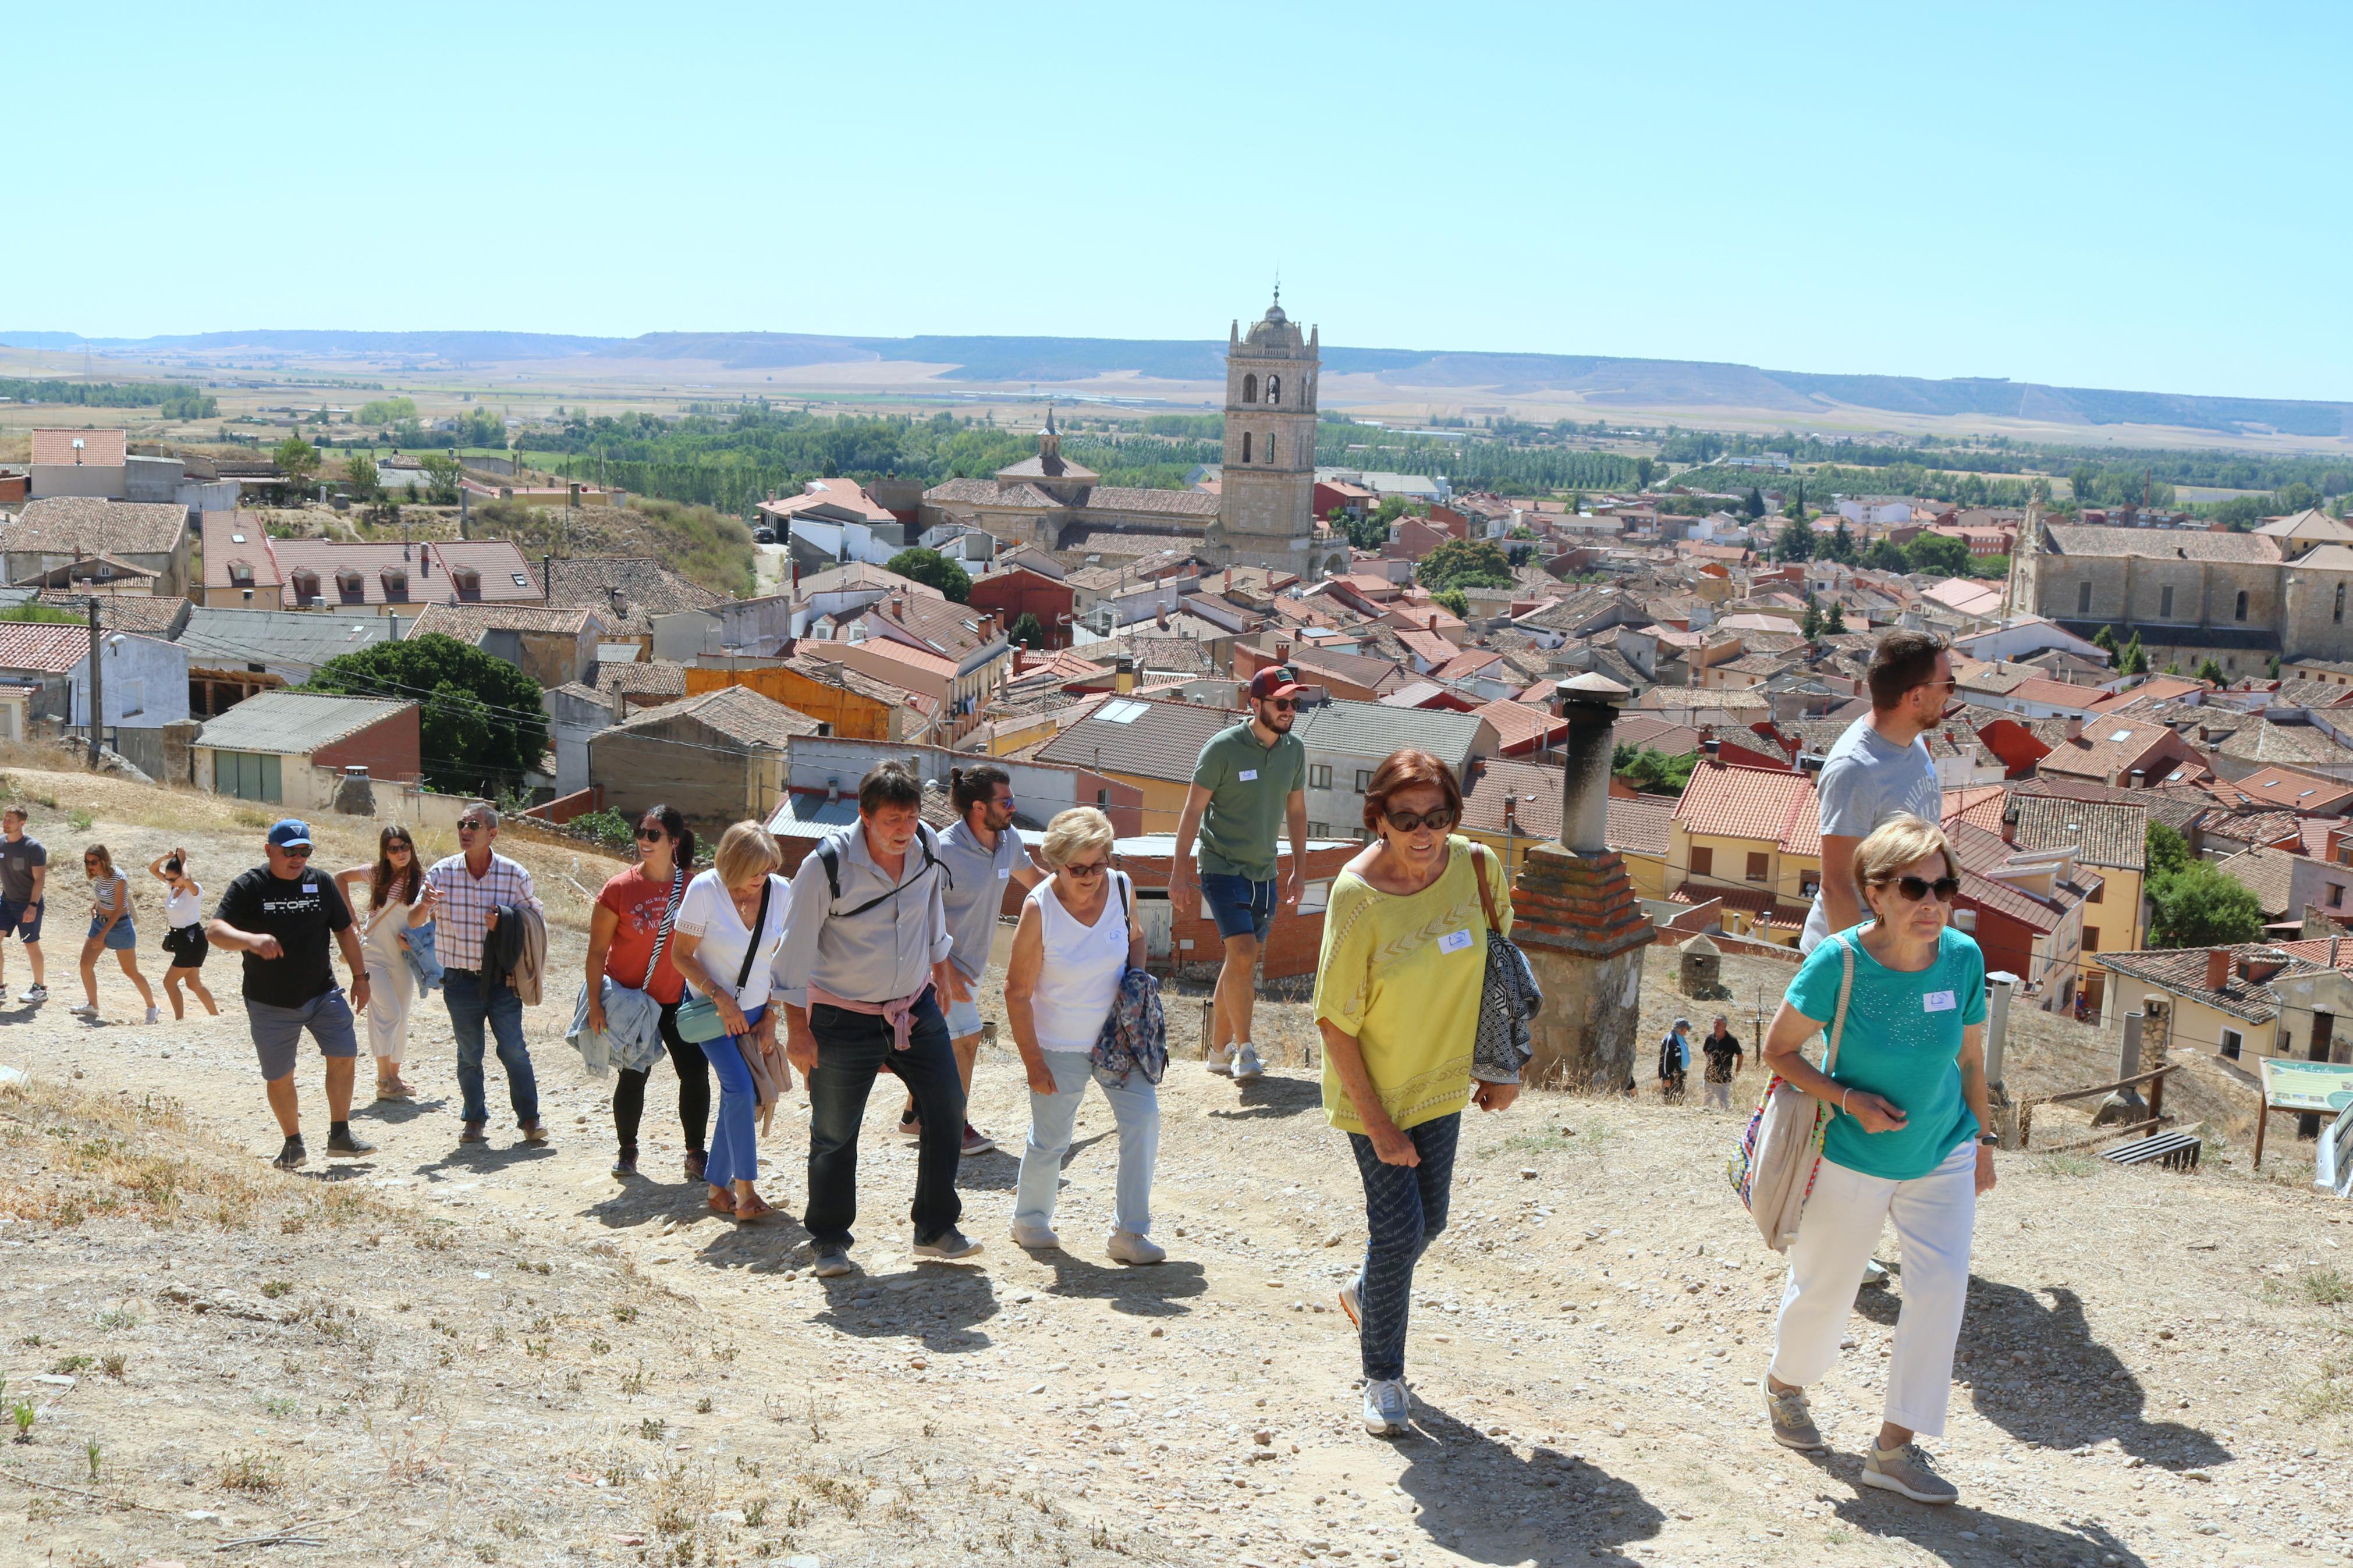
(109, 928)
(1674, 1062)
(183, 932)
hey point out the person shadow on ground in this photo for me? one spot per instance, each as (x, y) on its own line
(1481, 1500)
(2069, 1391)
(1882, 1516)
(1268, 1098)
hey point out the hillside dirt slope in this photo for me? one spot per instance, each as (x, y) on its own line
(504, 1355)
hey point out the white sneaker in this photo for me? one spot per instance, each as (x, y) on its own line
(1352, 1301)
(154, 1016)
(1247, 1065)
(1388, 1407)
(1221, 1060)
(1035, 1237)
(1127, 1247)
(83, 1010)
(37, 994)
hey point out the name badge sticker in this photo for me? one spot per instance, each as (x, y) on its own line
(1455, 942)
(1938, 1001)
(1248, 775)
(309, 886)
(1004, 872)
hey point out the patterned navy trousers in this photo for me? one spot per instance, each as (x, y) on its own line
(1405, 1209)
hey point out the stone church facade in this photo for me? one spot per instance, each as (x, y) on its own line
(1265, 515)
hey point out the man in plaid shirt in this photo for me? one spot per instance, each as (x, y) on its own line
(473, 884)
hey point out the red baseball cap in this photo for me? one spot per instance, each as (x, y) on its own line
(1275, 681)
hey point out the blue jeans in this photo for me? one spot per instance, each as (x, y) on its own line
(1239, 906)
(735, 1143)
(851, 1049)
(1135, 1107)
(462, 989)
(1405, 1209)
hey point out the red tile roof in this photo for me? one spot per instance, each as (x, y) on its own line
(2293, 791)
(1764, 803)
(99, 449)
(49, 646)
(1521, 728)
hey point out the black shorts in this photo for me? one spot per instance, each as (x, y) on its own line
(187, 946)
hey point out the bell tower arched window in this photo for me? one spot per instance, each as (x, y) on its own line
(1270, 457)
(1275, 389)
(1249, 388)
(1246, 446)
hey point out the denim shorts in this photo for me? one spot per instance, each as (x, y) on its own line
(1239, 906)
(964, 1020)
(120, 937)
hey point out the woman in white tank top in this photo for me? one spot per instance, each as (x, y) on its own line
(1077, 939)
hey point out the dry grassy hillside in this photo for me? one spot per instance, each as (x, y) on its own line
(439, 1355)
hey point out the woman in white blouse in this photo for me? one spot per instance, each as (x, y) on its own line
(708, 942)
(1077, 939)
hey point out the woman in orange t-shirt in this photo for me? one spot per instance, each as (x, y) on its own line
(631, 910)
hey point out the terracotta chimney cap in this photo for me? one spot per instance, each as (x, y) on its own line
(2218, 968)
(1590, 687)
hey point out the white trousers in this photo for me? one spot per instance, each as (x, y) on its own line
(1719, 1094)
(1935, 1215)
(392, 992)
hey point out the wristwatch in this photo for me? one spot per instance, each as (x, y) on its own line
(1993, 1139)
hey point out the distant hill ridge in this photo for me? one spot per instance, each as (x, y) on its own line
(1638, 382)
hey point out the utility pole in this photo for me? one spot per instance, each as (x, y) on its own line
(96, 682)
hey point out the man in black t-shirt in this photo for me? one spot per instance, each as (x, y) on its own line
(1722, 1049)
(282, 916)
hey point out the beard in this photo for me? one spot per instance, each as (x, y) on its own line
(1276, 718)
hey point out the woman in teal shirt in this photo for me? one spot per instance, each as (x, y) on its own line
(1907, 1097)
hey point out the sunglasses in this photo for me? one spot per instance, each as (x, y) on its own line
(1915, 888)
(1089, 873)
(1281, 704)
(1407, 822)
(297, 852)
(651, 835)
(470, 824)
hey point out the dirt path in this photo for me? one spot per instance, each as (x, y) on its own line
(441, 1355)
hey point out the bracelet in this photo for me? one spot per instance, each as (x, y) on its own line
(1842, 1094)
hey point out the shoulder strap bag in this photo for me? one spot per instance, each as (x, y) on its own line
(1134, 1037)
(1773, 1166)
(698, 1016)
(1509, 998)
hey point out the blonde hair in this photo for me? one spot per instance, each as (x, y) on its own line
(746, 851)
(1074, 832)
(1896, 843)
(98, 852)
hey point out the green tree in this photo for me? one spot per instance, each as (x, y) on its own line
(1810, 626)
(2202, 906)
(360, 479)
(1651, 770)
(1938, 552)
(441, 476)
(1645, 470)
(932, 570)
(2211, 673)
(481, 727)
(2106, 638)
(298, 459)
(1794, 542)
(1840, 547)
(1754, 505)
(1028, 632)
(1884, 555)
(1456, 602)
(1464, 564)
(2164, 852)
(2083, 483)
(1835, 622)
(2134, 659)
(385, 410)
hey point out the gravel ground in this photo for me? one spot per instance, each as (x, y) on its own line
(501, 1354)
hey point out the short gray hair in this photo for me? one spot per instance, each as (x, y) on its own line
(1074, 832)
(484, 809)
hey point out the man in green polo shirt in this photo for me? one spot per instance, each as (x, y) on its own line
(1251, 782)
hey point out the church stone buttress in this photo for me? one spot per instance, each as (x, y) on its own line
(1266, 508)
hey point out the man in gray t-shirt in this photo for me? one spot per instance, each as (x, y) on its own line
(983, 854)
(24, 872)
(1880, 768)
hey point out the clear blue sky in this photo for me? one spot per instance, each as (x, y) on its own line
(2148, 196)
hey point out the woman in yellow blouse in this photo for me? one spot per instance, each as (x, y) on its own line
(1397, 997)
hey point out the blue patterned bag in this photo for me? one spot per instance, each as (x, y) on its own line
(1134, 1035)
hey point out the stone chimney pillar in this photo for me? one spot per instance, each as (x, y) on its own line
(1577, 916)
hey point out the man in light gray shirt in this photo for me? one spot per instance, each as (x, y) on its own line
(1880, 768)
(860, 976)
(984, 856)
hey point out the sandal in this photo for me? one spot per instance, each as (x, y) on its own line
(760, 1209)
(720, 1203)
(392, 1089)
